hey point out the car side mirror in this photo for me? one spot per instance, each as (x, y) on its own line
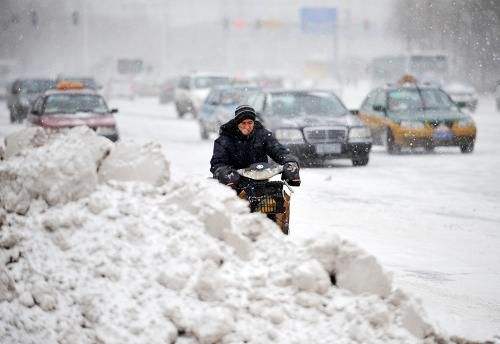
(355, 112)
(113, 111)
(379, 108)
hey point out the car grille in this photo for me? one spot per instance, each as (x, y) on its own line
(448, 123)
(325, 134)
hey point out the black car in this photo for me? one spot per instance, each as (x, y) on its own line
(314, 125)
(22, 94)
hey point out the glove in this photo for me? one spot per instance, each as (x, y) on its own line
(290, 173)
(228, 176)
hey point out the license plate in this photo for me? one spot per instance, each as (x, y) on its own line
(328, 148)
(442, 134)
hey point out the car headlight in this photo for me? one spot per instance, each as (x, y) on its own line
(359, 134)
(465, 122)
(106, 131)
(289, 136)
(412, 125)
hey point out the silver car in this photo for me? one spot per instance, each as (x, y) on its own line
(192, 90)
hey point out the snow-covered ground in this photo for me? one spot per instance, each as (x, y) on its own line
(431, 219)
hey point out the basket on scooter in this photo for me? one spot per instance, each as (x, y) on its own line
(266, 198)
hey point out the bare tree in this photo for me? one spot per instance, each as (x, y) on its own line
(468, 30)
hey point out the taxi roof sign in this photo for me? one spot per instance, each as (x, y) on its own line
(407, 79)
(69, 85)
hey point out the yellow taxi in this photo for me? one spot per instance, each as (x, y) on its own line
(409, 114)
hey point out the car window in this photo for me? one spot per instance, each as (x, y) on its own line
(299, 104)
(73, 103)
(256, 100)
(404, 100)
(36, 86)
(210, 81)
(236, 96)
(436, 99)
(213, 97)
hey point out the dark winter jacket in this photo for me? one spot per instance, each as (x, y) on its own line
(233, 150)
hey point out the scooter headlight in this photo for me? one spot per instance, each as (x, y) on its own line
(289, 136)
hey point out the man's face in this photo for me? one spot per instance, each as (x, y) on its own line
(246, 127)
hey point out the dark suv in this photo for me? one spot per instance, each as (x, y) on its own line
(314, 125)
(23, 93)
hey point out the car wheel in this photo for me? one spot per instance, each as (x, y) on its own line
(360, 160)
(467, 147)
(392, 146)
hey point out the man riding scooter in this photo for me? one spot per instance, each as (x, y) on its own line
(244, 141)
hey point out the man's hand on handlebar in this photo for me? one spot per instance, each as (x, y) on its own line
(229, 177)
(291, 173)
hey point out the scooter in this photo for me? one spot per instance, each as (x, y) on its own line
(265, 196)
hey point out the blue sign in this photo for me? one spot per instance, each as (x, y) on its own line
(318, 20)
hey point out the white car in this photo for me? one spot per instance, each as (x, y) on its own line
(120, 88)
(192, 90)
(462, 94)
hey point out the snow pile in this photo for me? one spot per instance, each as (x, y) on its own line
(62, 169)
(59, 168)
(134, 262)
(132, 162)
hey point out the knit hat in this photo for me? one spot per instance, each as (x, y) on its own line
(244, 112)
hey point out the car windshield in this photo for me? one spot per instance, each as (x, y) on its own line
(73, 103)
(235, 96)
(210, 81)
(36, 86)
(300, 104)
(414, 99)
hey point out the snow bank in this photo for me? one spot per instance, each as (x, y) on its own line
(65, 166)
(134, 262)
(132, 162)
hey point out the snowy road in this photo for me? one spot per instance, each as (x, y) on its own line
(431, 219)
